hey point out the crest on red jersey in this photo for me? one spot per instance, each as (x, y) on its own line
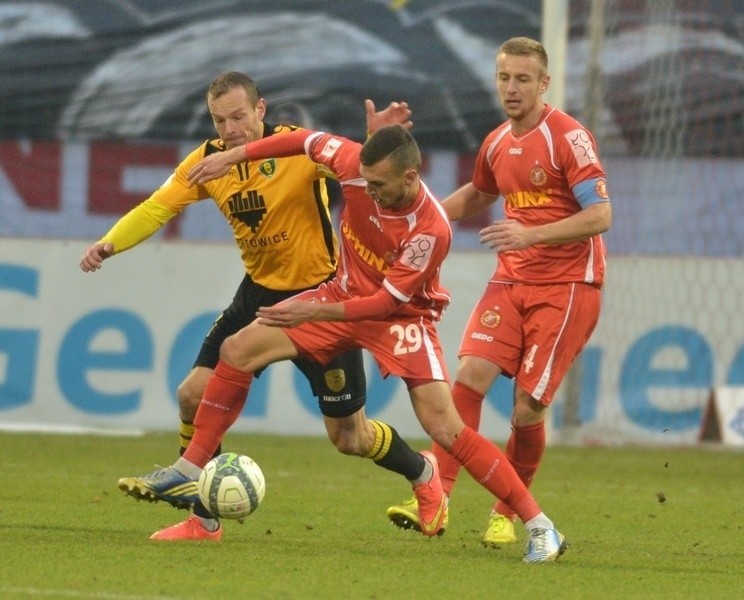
(538, 176)
(490, 318)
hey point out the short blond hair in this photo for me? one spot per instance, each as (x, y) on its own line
(524, 46)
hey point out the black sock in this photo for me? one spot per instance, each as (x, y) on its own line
(391, 452)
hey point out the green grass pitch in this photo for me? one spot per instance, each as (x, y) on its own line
(642, 523)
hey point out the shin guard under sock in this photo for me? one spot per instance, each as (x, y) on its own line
(468, 404)
(490, 467)
(223, 400)
(524, 450)
(391, 452)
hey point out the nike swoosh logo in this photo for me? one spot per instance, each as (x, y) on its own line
(431, 528)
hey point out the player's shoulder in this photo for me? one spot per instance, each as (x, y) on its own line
(279, 128)
(212, 146)
(491, 141)
(498, 132)
(561, 122)
(199, 152)
(434, 208)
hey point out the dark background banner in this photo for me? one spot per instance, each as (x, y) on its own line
(100, 99)
(107, 69)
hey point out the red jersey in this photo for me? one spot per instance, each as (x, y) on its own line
(536, 173)
(400, 250)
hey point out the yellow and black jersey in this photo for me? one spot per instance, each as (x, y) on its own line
(278, 210)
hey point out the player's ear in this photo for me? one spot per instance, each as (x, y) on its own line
(544, 84)
(261, 108)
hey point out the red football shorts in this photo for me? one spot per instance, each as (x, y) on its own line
(532, 332)
(404, 346)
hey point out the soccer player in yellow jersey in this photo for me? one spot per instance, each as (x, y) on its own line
(279, 212)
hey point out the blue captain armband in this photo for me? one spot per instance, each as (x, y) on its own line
(591, 191)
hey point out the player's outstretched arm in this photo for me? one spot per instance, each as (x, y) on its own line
(215, 165)
(466, 202)
(295, 312)
(94, 256)
(134, 227)
(274, 146)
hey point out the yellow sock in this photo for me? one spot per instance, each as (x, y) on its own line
(185, 433)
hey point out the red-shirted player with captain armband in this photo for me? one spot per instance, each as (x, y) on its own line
(386, 297)
(542, 303)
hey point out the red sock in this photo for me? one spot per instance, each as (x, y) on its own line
(524, 450)
(489, 466)
(468, 403)
(223, 399)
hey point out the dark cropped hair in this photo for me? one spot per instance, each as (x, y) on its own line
(394, 142)
(232, 79)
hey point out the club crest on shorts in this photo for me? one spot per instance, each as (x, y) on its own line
(490, 318)
(538, 176)
(267, 168)
(335, 379)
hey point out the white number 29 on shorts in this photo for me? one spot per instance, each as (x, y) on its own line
(409, 339)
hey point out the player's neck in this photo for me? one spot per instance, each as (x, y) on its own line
(529, 121)
(409, 199)
(415, 189)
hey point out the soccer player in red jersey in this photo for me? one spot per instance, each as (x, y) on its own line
(386, 297)
(285, 200)
(543, 301)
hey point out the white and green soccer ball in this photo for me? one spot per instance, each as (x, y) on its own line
(231, 486)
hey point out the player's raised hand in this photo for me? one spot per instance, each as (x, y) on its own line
(94, 256)
(396, 113)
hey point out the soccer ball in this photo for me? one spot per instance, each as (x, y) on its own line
(231, 486)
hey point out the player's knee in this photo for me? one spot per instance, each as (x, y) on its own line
(527, 410)
(229, 351)
(526, 417)
(444, 437)
(476, 374)
(442, 427)
(188, 400)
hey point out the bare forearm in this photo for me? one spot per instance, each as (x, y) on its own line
(219, 164)
(329, 312)
(589, 222)
(466, 202)
(294, 312)
(510, 234)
